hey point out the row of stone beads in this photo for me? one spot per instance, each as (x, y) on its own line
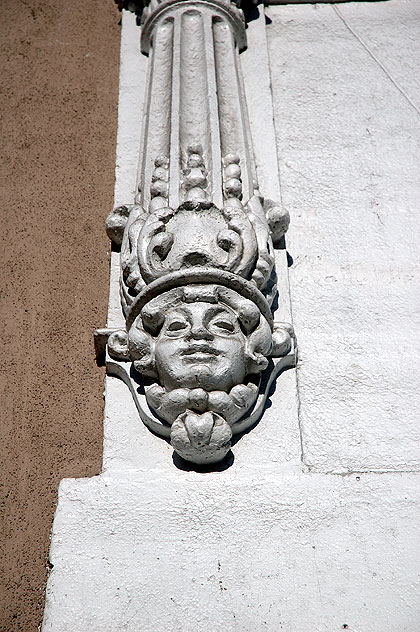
(232, 184)
(159, 187)
(195, 174)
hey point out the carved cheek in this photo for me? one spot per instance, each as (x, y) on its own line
(166, 348)
(232, 357)
(167, 358)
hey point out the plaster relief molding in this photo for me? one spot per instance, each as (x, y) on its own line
(198, 282)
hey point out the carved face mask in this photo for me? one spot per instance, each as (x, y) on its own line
(199, 337)
(204, 347)
(201, 346)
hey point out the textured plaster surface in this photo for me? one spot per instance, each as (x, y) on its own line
(59, 90)
(266, 544)
(347, 98)
(227, 550)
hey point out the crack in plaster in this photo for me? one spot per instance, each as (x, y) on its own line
(375, 59)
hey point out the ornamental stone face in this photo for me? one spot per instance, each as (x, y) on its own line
(198, 281)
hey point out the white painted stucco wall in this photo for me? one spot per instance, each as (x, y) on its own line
(314, 527)
(347, 96)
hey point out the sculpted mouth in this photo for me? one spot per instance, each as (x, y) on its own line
(198, 349)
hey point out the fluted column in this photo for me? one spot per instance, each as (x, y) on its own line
(196, 142)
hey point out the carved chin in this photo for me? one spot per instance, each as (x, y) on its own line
(206, 373)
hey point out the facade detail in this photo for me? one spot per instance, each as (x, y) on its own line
(198, 281)
(310, 521)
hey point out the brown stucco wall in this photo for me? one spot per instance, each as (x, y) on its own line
(59, 106)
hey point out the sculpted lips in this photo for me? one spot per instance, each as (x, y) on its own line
(200, 349)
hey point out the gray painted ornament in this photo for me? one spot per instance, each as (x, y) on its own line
(197, 264)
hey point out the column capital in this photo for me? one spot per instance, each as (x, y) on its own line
(154, 11)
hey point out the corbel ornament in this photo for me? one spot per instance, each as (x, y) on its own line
(198, 281)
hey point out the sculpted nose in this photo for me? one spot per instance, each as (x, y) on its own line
(199, 332)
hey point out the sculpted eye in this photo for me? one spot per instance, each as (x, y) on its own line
(177, 325)
(225, 325)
